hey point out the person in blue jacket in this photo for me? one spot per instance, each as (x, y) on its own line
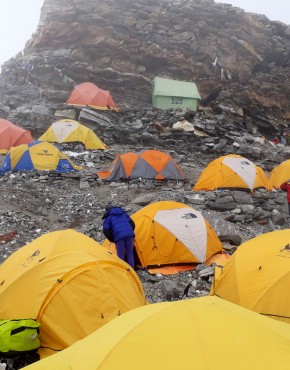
(118, 228)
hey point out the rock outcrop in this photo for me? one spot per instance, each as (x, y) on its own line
(240, 61)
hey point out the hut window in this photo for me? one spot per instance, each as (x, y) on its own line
(176, 100)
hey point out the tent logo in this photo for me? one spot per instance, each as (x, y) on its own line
(65, 166)
(34, 254)
(45, 152)
(285, 252)
(188, 216)
(30, 259)
(245, 163)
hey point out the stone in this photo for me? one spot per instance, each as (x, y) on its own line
(196, 199)
(229, 247)
(206, 272)
(233, 239)
(242, 197)
(277, 217)
(144, 199)
(170, 290)
(84, 185)
(247, 208)
(183, 126)
(40, 109)
(221, 205)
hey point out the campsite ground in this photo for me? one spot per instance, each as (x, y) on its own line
(33, 208)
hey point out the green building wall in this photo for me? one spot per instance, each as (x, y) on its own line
(165, 102)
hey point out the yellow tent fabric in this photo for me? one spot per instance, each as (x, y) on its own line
(234, 172)
(204, 333)
(280, 174)
(257, 276)
(67, 130)
(70, 284)
(39, 155)
(170, 233)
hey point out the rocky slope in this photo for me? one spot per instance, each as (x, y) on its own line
(239, 61)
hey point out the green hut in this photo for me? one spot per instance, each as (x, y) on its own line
(169, 94)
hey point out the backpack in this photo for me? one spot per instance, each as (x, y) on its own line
(18, 336)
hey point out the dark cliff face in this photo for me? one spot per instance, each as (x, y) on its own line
(239, 61)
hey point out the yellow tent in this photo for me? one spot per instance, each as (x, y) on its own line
(257, 276)
(38, 155)
(170, 233)
(234, 172)
(70, 284)
(67, 130)
(280, 174)
(204, 333)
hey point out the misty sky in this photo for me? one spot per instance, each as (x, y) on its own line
(273, 9)
(19, 19)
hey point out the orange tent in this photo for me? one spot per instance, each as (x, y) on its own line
(232, 171)
(147, 164)
(12, 135)
(88, 94)
(280, 174)
(170, 233)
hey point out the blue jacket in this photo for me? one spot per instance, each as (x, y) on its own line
(117, 224)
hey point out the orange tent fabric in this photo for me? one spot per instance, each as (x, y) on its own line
(232, 171)
(88, 94)
(12, 135)
(280, 174)
(220, 259)
(172, 233)
(147, 164)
